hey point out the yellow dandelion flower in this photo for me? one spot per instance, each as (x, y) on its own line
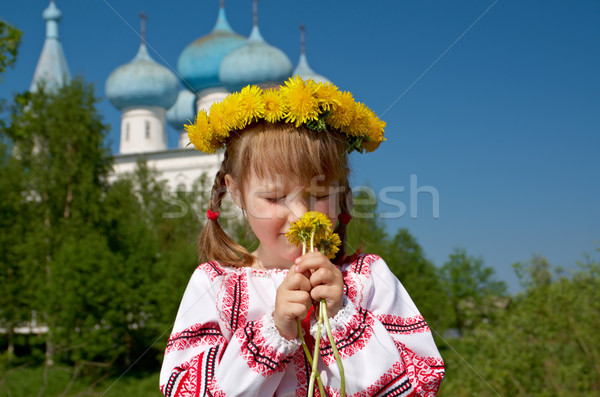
(300, 101)
(200, 133)
(224, 116)
(342, 110)
(313, 225)
(360, 122)
(299, 232)
(326, 94)
(274, 107)
(251, 104)
(231, 112)
(217, 119)
(374, 133)
(320, 224)
(329, 244)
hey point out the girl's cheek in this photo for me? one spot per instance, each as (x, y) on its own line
(328, 207)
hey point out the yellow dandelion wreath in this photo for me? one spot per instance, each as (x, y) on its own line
(318, 106)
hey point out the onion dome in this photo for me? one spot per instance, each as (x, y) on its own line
(52, 68)
(255, 62)
(199, 63)
(142, 82)
(184, 110)
(302, 69)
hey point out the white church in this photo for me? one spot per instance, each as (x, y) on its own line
(149, 95)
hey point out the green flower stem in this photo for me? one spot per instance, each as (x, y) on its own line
(309, 357)
(313, 374)
(305, 346)
(336, 353)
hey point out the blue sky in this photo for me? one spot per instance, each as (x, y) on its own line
(493, 105)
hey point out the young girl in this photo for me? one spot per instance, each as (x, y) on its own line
(236, 331)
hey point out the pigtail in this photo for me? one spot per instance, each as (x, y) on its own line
(214, 243)
(346, 204)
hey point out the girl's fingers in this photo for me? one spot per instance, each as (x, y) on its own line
(297, 281)
(322, 276)
(312, 261)
(295, 304)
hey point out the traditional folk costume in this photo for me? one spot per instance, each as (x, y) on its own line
(224, 341)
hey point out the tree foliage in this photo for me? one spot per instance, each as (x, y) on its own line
(10, 39)
(56, 141)
(545, 344)
(472, 291)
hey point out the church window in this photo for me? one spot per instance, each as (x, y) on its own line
(127, 132)
(147, 129)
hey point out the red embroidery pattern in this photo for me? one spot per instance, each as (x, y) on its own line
(394, 382)
(403, 325)
(363, 264)
(212, 389)
(353, 338)
(213, 269)
(195, 377)
(260, 356)
(188, 382)
(196, 335)
(351, 287)
(426, 373)
(184, 379)
(234, 300)
(302, 370)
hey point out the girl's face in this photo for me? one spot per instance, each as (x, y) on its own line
(273, 203)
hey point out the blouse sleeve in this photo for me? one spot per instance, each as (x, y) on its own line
(202, 359)
(385, 344)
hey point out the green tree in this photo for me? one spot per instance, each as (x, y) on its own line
(472, 291)
(11, 227)
(544, 344)
(13, 276)
(535, 272)
(58, 140)
(10, 39)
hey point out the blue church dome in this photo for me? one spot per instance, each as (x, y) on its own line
(200, 61)
(303, 69)
(184, 110)
(142, 82)
(255, 62)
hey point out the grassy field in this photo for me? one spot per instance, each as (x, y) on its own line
(29, 382)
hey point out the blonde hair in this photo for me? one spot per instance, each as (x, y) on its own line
(281, 149)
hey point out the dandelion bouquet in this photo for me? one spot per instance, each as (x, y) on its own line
(313, 231)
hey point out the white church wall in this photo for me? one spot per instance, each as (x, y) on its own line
(143, 130)
(179, 167)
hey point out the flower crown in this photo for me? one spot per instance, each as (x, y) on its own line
(320, 107)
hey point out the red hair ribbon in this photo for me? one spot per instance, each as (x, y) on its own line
(213, 216)
(344, 218)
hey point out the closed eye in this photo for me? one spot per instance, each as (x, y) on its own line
(274, 199)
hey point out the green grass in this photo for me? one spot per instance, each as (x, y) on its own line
(29, 382)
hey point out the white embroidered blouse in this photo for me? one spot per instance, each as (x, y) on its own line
(224, 342)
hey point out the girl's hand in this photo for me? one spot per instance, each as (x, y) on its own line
(325, 278)
(292, 303)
